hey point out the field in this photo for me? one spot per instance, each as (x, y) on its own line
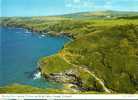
(101, 58)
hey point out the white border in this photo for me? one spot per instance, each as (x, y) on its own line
(68, 96)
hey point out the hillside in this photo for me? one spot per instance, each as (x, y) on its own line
(109, 54)
(102, 57)
(109, 14)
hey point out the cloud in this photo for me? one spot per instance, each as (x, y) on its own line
(108, 2)
(79, 4)
(108, 5)
(76, 1)
(92, 5)
(88, 4)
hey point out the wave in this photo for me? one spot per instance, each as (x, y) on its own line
(37, 75)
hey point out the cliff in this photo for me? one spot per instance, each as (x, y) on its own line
(103, 56)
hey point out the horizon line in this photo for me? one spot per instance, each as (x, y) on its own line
(52, 15)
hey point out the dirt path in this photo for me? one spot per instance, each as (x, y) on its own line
(92, 74)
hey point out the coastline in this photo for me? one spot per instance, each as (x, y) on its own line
(37, 70)
(95, 60)
(41, 32)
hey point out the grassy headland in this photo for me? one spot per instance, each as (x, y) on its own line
(102, 57)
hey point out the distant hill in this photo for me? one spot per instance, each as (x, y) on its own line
(102, 56)
(102, 14)
(108, 14)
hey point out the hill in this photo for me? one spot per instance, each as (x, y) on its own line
(102, 57)
(101, 14)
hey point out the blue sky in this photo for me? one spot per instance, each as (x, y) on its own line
(58, 7)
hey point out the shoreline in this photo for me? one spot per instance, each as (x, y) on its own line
(68, 86)
(96, 59)
(41, 32)
(37, 69)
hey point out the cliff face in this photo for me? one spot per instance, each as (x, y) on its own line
(102, 57)
(80, 78)
(103, 61)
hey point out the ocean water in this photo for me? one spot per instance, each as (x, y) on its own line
(19, 52)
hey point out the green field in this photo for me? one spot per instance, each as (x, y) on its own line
(102, 58)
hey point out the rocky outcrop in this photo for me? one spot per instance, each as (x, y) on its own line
(79, 80)
(67, 77)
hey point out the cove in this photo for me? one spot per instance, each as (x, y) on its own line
(20, 52)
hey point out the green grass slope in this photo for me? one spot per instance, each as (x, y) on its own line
(102, 57)
(107, 14)
(112, 54)
(109, 49)
(25, 89)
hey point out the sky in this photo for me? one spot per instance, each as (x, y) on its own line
(59, 7)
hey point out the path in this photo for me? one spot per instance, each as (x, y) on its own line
(92, 74)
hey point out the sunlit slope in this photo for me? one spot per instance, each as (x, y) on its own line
(109, 14)
(109, 52)
(103, 53)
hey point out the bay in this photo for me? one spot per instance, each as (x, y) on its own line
(20, 52)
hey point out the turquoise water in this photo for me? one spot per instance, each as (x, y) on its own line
(20, 51)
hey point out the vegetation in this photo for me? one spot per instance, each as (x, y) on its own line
(102, 57)
(25, 89)
(17, 88)
(111, 54)
(49, 63)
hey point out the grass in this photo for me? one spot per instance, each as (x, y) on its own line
(16, 88)
(25, 89)
(54, 64)
(107, 47)
(111, 54)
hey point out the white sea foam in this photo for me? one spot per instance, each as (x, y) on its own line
(37, 75)
(43, 35)
(27, 31)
